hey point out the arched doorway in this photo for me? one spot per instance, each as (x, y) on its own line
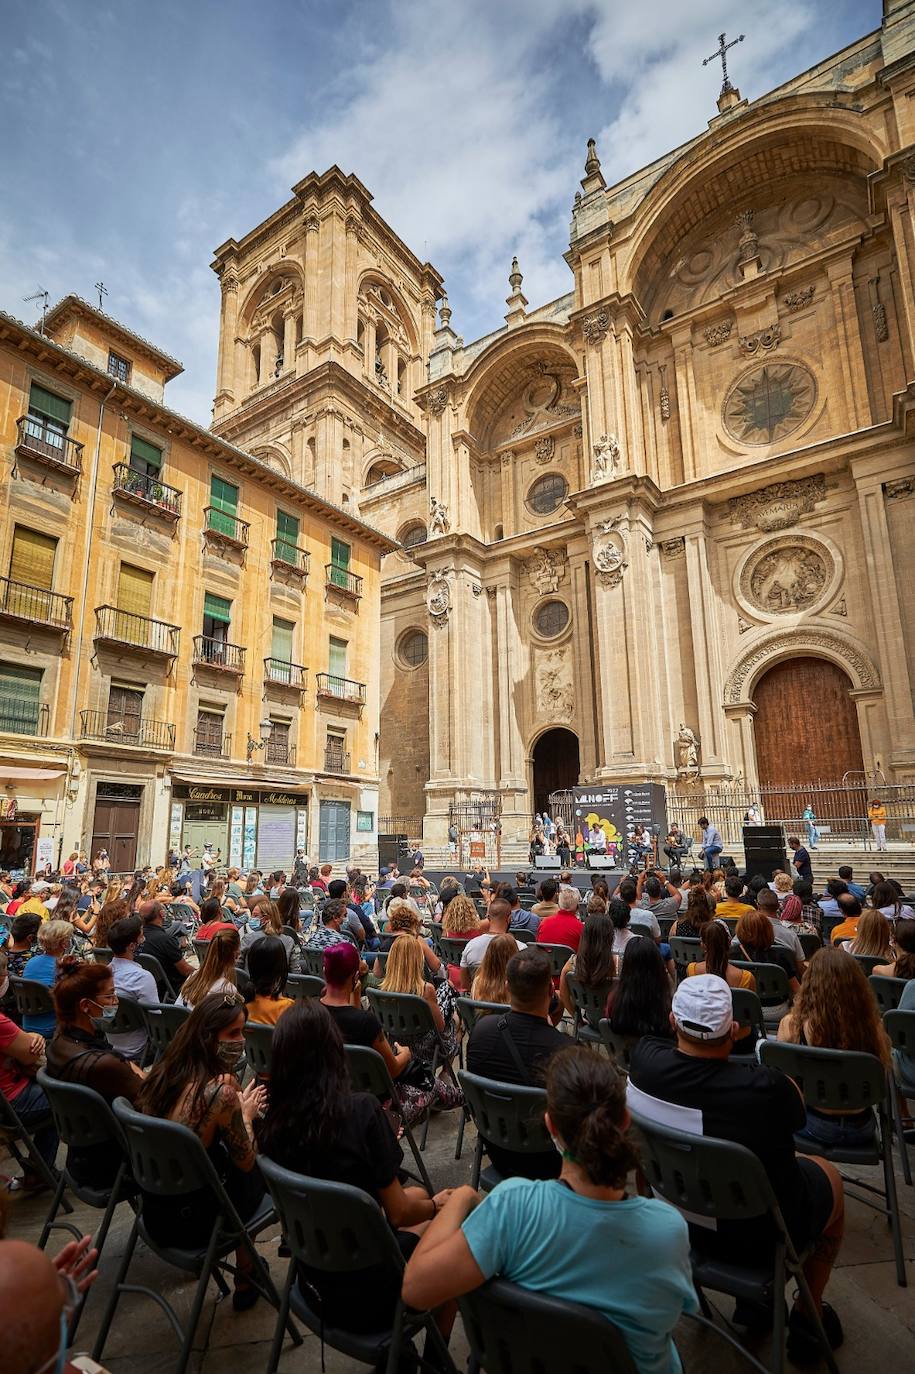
(806, 725)
(556, 765)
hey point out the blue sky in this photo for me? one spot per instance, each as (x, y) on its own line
(137, 137)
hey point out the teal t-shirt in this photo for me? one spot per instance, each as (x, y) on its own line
(628, 1259)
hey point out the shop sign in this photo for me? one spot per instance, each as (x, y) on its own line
(174, 834)
(199, 794)
(236, 826)
(205, 811)
(279, 799)
(250, 837)
(247, 796)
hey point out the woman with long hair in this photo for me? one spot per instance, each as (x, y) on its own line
(315, 1124)
(904, 963)
(873, 937)
(700, 909)
(268, 969)
(69, 864)
(134, 894)
(65, 910)
(114, 892)
(639, 1002)
(287, 904)
(109, 912)
(836, 1010)
(491, 981)
(887, 898)
(194, 1083)
(642, 1282)
(265, 919)
(460, 920)
(405, 972)
(217, 972)
(620, 914)
(716, 946)
(594, 963)
(754, 942)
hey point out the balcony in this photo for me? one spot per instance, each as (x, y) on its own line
(335, 761)
(28, 605)
(279, 751)
(208, 746)
(279, 673)
(147, 492)
(138, 731)
(46, 445)
(340, 688)
(341, 580)
(219, 655)
(289, 559)
(223, 529)
(21, 717)
(139, 632)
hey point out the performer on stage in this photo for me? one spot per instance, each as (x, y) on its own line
(676, 846)
(563, 845)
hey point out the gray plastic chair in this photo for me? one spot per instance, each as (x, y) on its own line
(163, 1021)
(590, 1006)
(748, 1012)
(559, 956)
(259, 1048)
(32, 998)
(200, 949)
(168, 1160)
(302, 985)
(101, 954)
(900, 1027)
(450, 951)
(152, 965)
(508, 1115)
(722, 1181)
(313, 961)
(470, 1011)
(369, 1074)
(341, 1230)
(771, 982)
(376, 960)
(845, 1081)
(16, 1133)
(407, 1019)
(888, 991)
(526, 937)
(810, 943)
(871, 961)
(619, 1046)
(511, 1330)
(130, 1018)
(685, 951)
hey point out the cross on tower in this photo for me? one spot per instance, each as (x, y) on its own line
(722, 52)
(102, 290)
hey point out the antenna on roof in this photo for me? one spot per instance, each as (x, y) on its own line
(102, 290)
(39, 295)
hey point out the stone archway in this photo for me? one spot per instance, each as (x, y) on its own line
(806, 723)
(556, 765)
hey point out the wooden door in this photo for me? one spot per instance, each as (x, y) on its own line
(806, 723)
(116, 828)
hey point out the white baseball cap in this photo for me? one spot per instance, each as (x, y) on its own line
(40, 886)
(702, 1007)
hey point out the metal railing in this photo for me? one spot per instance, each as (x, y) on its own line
(20, 717)
(218, 653)
(329, 685)
(279, 751)
(139, 731)
(38, 440)
(213, 748)
(221, 525)
(342, 580)
(284, 674)
(285, 554)
(22, 601)
(336, 761)
(417, 473)
(150, 490)
(138, 631)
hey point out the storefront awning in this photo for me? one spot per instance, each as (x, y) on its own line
(20, 774)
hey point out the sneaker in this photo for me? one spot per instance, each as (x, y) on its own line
(803, 1343)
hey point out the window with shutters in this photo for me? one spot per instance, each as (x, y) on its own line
(339, 563)
(287, 537)
(336, 657)
(335, 751)
(125, 708)
(49, 415)
(278, 742)
(20, 699)
(208, 735)
(134, 604)
(281, 641)
(217, 616)
(32, 558)
(224, 507)
(118, 367)
(145, 457)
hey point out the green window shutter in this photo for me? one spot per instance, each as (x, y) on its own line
(144, 457)
(218, 607)
(339, 563)
(32, 559)
(49, 406)
(287, 536)
(224, 503)
(20, 690)
(336, 657)
(281, 643)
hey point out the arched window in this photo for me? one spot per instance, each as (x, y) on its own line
(413, 648)
(414, 535)
(547, 493)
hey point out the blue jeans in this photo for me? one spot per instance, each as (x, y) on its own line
(837, 1131)
(711, 858)
(31, 1106)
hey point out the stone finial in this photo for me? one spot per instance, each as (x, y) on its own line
(514, 277)
(444, 311)
(592, 161)
(517, 301)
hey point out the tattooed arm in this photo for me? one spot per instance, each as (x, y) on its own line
(234, 1112)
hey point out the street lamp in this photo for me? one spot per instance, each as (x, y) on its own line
(266, 728)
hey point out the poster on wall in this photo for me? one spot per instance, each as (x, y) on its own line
(236, 829)
(174, 829)
(44, 853)
(250, 837)
(301, 828)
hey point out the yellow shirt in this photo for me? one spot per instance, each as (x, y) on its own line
(732, 910)
(34, 907)
(268, 1010)
(876, 815)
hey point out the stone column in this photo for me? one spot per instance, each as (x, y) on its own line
(615, 700)
(901, 208)
(742, 749)
(370, 346)
(706, 637)
(687, 409)
(312, 246)
(507, 487)
(633, 437)
(512, 669)
(848, 340)
(289, 319)
(268, 356)
(226, 367)
(242, 368)
(352, 245)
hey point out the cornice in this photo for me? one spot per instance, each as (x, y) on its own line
(74, 307)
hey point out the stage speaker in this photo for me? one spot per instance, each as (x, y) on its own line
(390, 849)
(766, 836)
(547, 861)
(765, 860)
(601, 861)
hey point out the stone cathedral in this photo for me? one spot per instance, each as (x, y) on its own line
(663, 524)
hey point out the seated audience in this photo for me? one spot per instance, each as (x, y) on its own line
(341, 997)
(332, 928)
(217, 972)
(491, 981)
(21, 1055)
(874, 936)
(520, 919)
(851, 909)
(212, 919)
(563, 927)
(835, 1010)
(657, 894)
(405, 972)
(130, 980)
(460, 920)
(579, 1238)
(472, 954)
(594, 964)
(759, 1108)
(546, 903)
(801, 913)
(829, 902)
(44, 967)
(754, 942)
(265, 919)
(846, 874)
(700, 909)
(733, 906)
(886, 897)
(620, 914)
(165, 945)
(716, 946)
(904, 964)
(639, 1002)
(783, 933)
(515, 1047)
(195, 1083)
(268, 969)
(108, 913)
(22, 944)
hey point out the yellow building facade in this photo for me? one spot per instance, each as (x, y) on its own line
(189, 638)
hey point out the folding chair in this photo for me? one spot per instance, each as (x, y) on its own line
(32, 998)
(810, 943)
(590, 1006)
(377, 958)
(771, 982)
(559, 955)
(684, 952)
(436, 931)
(511, 1330)
(130, 1018)
(900, 1027)
(525, 937)
(748, 1013)
(163, 1021)
(665, 923)
(470, 1011)
(870, 961)
(15, 1132)
(152, 965)
(509, 1115)
(259, 1048)
(101, 954)
(450, 951)
(829, 924)
(169, 1160)
(408, 1019)
(888, 991)
(726, 1182)
(313, 961)
(302, 985)
(84, 1119)
(845, 1081)
(369, 1074)
(200, 949)
(341, 1230)
(619, 1046)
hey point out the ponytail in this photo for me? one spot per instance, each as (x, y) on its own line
(586, 1100)
(716, 941)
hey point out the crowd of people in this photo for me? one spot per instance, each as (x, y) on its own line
(660, 957)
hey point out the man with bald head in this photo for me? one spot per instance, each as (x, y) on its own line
(38, 1296)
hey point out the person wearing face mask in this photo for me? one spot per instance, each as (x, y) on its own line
(86, 1002)
(195, 1083)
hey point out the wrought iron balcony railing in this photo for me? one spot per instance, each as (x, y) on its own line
(34, 606)
(283, 674)
(219, 525)
(342, 580)
(140, 632)
(335, 761)
(21, 717)
(289, 556)
(211, 747)
(280, 751)
(139, 731)
(146, 490)
(217, 653)
(343, 688)
(48, 445)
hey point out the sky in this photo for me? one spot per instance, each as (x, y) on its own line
(137, 137)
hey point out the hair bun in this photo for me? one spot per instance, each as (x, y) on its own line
(67, 965)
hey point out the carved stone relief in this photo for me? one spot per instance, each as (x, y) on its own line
(761, 341)
(437, 400)
(779, 505)
(769, 402)
(595, 327)
(555, 685)
(438, 518)
(546, 569)
(438, 598)
(664, 394)
(541, 402)
(607, 459)
(673, 548)
(608, 551)
(716, 334)
(863, 672)
(545, 448)
(797, 300)
(788, 575)
(899, 487)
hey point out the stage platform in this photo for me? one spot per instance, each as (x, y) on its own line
(581, 877)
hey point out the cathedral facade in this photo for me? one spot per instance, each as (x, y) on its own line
(659, 527)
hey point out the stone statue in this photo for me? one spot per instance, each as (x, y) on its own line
(607, 458)
(438, 517)
(438, 598)
(687, 746)
(546, 568)
(555, 685)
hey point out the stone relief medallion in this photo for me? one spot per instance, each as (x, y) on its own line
(555, 685)
(769, 402)
(796, 574)
(438, 598)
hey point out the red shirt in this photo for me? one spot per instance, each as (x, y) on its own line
(209, 930)
(562, 929)
(12, 1079)
(318, 882)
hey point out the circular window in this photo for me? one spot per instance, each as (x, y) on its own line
(547, 493)
(413, 535)
(413, 648)
(769, 402)
(551, 618)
